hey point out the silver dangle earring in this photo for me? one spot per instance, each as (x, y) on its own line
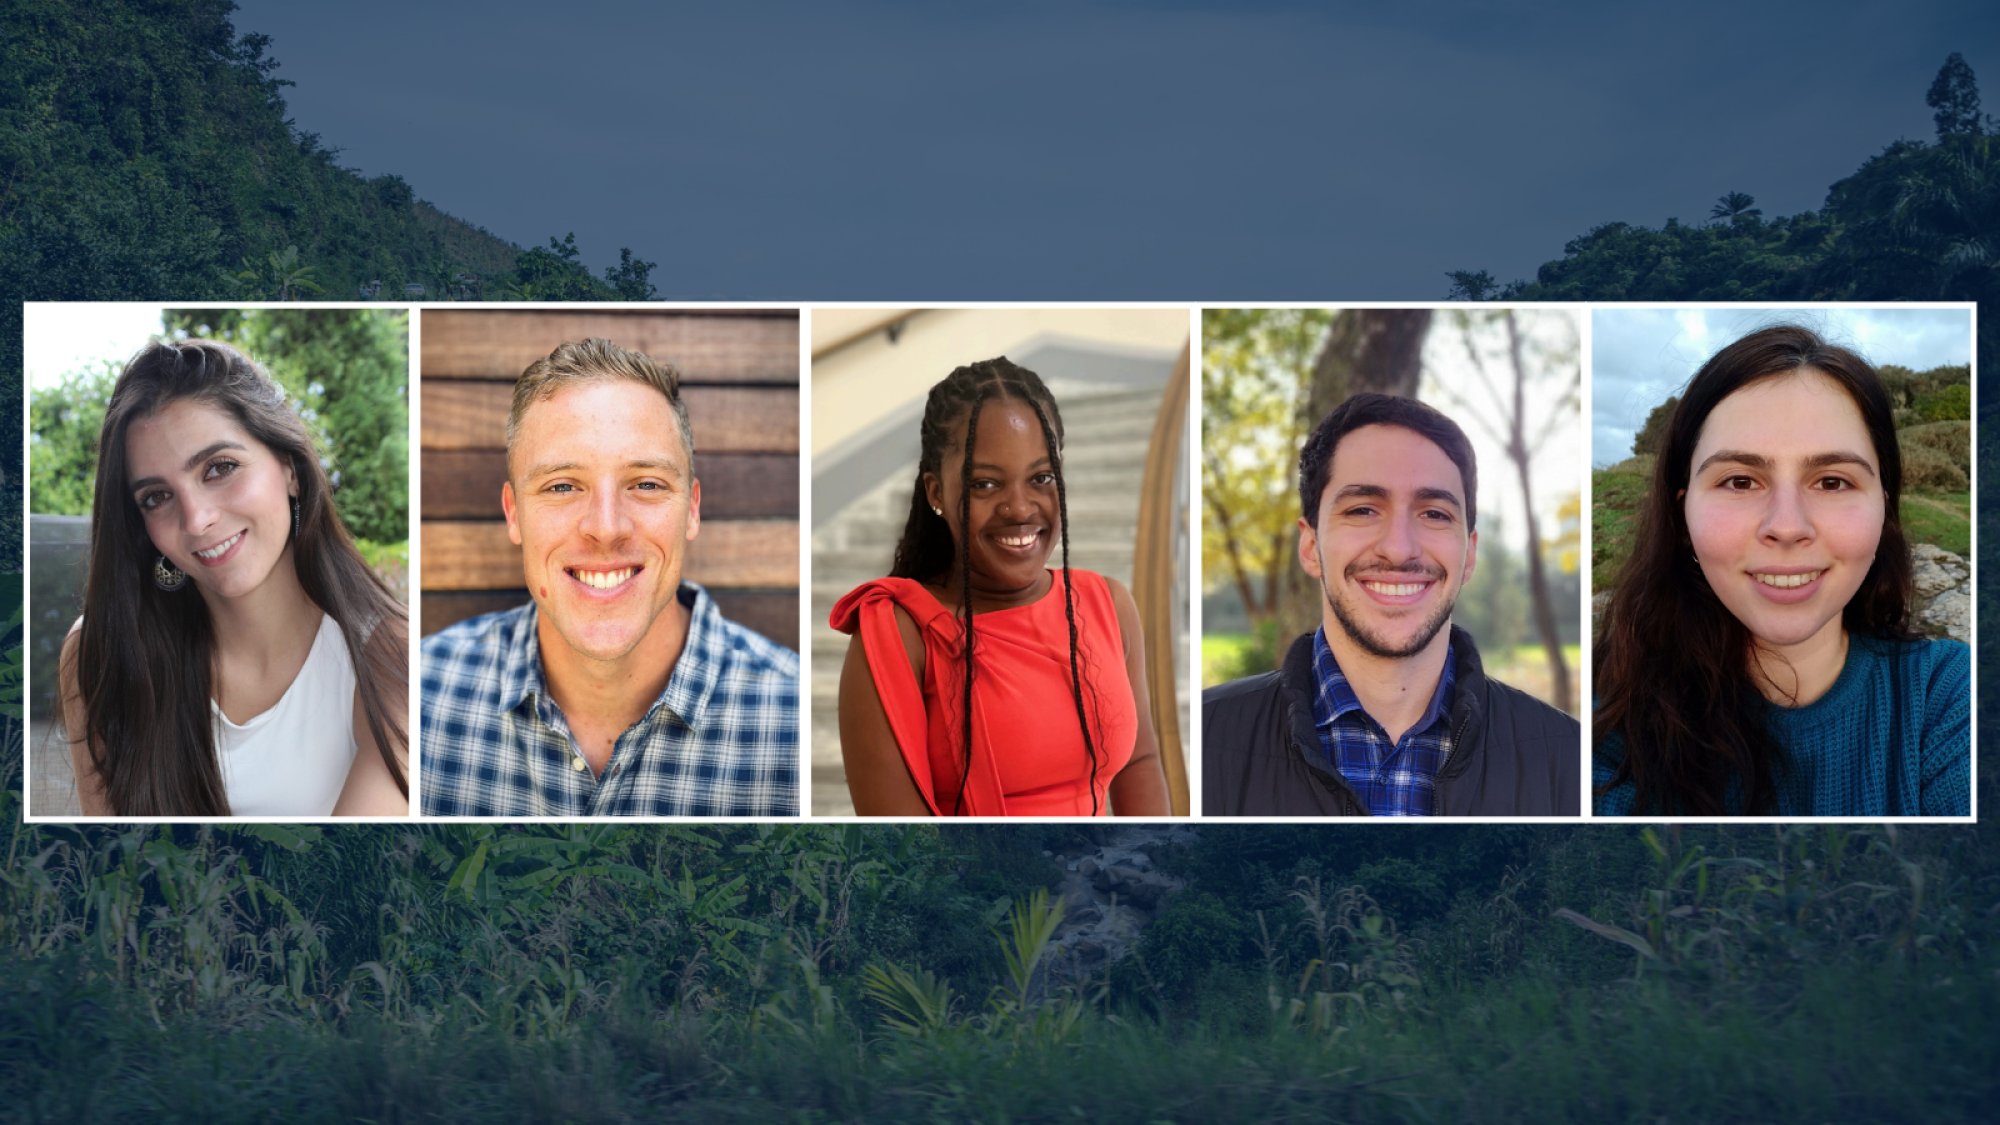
(295, 517)
(167, 576)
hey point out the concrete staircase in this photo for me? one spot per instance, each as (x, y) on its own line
(1106, 431)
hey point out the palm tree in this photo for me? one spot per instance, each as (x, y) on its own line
(1734, 206)
(289, 275)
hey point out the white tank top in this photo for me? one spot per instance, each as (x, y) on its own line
(292, 760)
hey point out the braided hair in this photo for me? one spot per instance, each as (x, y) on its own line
(928, 550)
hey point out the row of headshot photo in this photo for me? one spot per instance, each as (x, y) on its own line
(296, 562)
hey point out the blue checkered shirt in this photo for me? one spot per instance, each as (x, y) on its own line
(721, 740)
(1391, 779)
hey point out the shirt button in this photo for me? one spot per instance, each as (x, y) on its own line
(576, 763)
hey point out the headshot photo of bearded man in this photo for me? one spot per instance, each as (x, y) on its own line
(619, 687)
(1383, 706)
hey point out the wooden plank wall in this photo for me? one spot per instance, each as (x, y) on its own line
(740, 378)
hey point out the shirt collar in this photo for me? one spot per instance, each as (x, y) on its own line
(688, 690)
(1336, 697)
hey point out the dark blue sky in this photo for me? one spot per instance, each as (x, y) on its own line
(900, 151)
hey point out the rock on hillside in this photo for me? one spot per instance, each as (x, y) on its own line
(1943, 584)
(1111, 893)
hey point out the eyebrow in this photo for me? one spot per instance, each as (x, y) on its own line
(1377, 492)
(1759, 461)
(656, 464)
(148, 482)
(992, 468)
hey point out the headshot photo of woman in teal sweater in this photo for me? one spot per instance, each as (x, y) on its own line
(1756, 657)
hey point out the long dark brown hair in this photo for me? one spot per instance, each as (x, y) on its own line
(1672, 665)
(145, 657)
(927, 550)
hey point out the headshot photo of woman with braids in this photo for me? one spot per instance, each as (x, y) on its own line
(234, 655)
(1762, 651)
(991, 673)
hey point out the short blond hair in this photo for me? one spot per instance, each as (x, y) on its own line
(597, 360)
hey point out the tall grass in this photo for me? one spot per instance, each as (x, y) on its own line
(811, 973)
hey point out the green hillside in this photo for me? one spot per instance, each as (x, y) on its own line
(145, 153)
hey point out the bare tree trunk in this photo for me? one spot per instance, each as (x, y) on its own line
(1538, 583)
(1366, 350)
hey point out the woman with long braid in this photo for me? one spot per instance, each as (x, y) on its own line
(980, 682)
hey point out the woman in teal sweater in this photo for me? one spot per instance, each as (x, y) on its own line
(1756, 658)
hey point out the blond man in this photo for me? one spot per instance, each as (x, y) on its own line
(618, 689)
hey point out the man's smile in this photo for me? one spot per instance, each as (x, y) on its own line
(604, 578)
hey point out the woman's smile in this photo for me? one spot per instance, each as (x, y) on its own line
(1014, 507)
(221, 552)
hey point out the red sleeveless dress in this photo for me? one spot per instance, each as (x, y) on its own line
(1028, 756)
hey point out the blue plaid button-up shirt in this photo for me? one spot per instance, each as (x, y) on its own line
(1391, 779)
(721, 740)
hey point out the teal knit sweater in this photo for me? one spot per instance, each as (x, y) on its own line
(1892, 737)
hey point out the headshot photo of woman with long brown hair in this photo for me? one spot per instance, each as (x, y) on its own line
(235, 655)
(1759, 654)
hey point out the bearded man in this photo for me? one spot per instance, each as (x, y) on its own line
(1385, 710)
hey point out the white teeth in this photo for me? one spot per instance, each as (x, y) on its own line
(216, 551)
(1018, 540)
(1787, 581)
(1401, 590)
(604, 579)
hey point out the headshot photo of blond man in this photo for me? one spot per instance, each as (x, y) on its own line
(619, 688)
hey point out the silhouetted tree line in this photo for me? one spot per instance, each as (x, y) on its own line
(1918, 222)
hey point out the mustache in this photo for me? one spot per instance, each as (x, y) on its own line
(1360, 573)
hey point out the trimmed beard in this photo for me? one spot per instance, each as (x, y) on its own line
(1376, 646)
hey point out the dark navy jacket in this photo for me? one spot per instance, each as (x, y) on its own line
(1511, 754)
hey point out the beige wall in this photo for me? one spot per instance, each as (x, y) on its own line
(864, 377)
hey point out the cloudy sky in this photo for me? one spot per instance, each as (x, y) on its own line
(1641, 357)
(1105, 149)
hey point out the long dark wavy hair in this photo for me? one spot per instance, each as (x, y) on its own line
(1672, 665)
(145, 657)
(928, 552)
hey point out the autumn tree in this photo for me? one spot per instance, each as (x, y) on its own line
(1254, 362)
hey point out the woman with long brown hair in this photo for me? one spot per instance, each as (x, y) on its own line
(1756, 657)
(236, 656)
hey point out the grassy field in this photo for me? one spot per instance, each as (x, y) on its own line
(1814, 973)
(1614, 515)
(1943, 518)
(1220, 651)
